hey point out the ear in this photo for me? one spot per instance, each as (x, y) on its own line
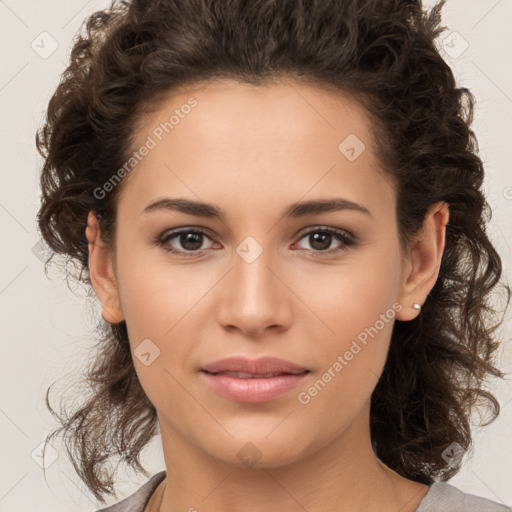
(424, 260)
(101, 271)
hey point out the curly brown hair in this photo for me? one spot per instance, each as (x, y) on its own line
(128, 57)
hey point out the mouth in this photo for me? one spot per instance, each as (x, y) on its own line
(253, 387)
(250, 368)
(244, 375)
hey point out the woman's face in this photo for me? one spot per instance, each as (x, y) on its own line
(259, 282)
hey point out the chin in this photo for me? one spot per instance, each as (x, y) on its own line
(257, 451)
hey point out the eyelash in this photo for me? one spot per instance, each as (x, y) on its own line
(338, 235)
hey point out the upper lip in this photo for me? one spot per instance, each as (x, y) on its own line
(256, 366)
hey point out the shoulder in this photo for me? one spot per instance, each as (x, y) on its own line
(443, 497)
(137, 501)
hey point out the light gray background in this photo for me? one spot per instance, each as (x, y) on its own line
(45, 327)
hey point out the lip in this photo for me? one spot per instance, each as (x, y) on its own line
(253, 389)
(256, 366)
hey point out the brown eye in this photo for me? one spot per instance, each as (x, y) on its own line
(189, 241)
(320, 240)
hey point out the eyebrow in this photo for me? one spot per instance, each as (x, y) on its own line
(294, 210)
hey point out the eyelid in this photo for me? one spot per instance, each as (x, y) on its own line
(347, 239)
(173, 233)
(343, 236)
(322, 228)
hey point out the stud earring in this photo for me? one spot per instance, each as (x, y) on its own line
(416, 306)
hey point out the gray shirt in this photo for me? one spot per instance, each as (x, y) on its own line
(441, 497)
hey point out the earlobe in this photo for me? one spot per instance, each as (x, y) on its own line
(101, 271)
(422, 270)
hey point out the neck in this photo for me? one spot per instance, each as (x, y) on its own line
(344, 475)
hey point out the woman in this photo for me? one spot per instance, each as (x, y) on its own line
(278, 205)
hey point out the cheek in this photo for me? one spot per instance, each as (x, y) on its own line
(163, 307)
(359, 310)
(353, 296)
(157, 297)
(352, 362)
(159, 310)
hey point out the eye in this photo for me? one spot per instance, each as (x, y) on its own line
(321, 238)
(191, 241)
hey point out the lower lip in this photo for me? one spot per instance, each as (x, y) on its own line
(253, 390)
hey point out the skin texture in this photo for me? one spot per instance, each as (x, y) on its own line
(252, 151)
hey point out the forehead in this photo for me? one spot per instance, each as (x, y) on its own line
(227, 111)
(269, 143)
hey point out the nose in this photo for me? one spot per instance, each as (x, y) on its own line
(254, 298)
